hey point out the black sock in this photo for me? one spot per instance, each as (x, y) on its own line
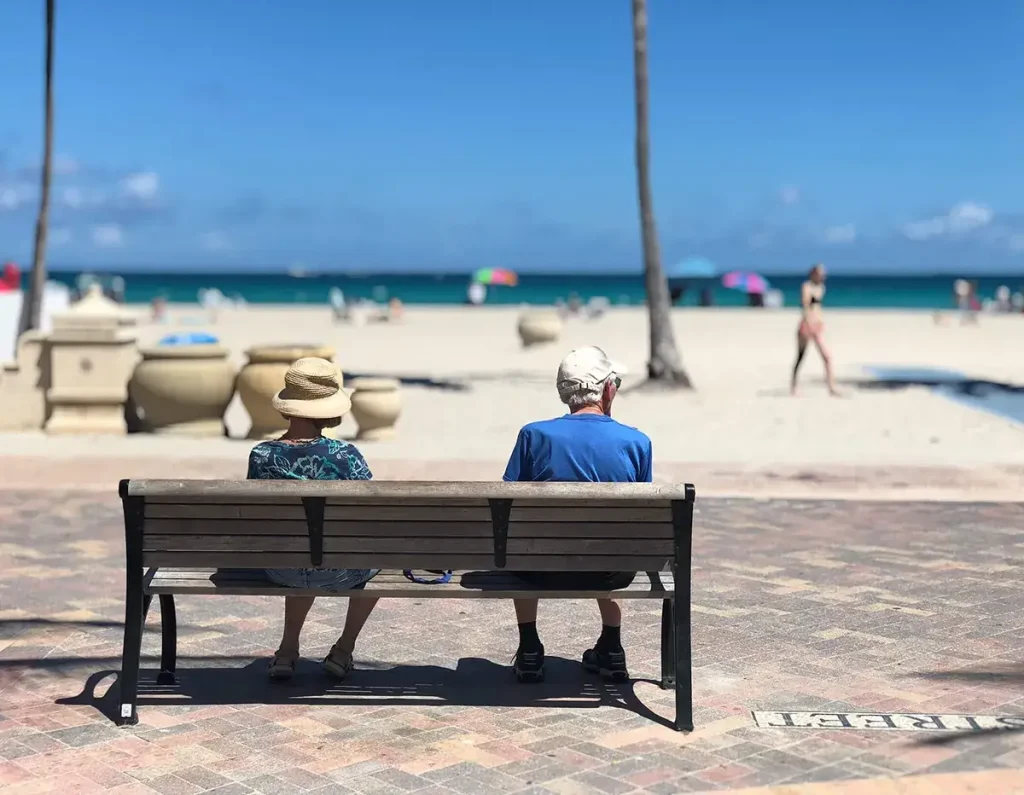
(610, 639)
(528, 637)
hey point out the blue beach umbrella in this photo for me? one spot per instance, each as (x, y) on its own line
(692, 268)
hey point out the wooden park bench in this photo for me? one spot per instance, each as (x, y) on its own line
(214, 537)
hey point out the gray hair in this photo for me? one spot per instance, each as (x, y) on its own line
(579, 396)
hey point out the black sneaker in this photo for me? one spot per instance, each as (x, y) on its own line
(528, 666)
(609, 664)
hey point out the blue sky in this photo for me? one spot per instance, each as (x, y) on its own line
(444, 135)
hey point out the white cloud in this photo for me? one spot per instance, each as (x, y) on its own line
(789, 194)
(967, 216)
(216, 241)
(107, 235)
(143, 185)
(836, 235)
(9, 198)
(65, 166)
(72, 197)
(59, 237)
(962, 218)
(13, 196)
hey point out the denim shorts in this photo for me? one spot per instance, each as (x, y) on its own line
(324, 579)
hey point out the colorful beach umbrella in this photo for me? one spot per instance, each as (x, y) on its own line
(746, 281)
(692, 268)
(502, 277)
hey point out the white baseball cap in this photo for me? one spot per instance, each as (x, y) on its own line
(586, 367)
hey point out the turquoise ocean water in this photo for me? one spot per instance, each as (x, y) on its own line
(897, 292)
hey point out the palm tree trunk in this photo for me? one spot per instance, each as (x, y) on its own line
(665, 365)
(32, 302)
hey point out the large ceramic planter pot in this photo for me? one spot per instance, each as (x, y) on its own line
(376, 404)
(263, 377)
(183, 390)
(539, 326)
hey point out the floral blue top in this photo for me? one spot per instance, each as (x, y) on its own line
(318, 459)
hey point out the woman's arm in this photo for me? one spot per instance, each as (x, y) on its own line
(805, 300)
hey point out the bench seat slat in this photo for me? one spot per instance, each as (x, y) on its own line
(464, 584)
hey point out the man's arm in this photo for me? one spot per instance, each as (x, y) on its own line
(518, 467)
(647, 464)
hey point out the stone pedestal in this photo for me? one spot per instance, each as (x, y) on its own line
(376, 404)
(263, 377)
(24, 383)
(91, 360)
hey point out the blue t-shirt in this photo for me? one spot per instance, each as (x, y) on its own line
(581, 447)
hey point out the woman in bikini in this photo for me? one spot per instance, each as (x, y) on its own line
(812, 326)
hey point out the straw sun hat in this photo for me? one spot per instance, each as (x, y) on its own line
(312, 391)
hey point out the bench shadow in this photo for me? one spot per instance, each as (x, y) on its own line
(474, 682)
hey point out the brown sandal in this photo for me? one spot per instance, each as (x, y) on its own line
(281, 668)
(338, 663)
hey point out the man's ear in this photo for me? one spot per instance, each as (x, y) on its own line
(607, 396)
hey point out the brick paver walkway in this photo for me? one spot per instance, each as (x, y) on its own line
(797, 606)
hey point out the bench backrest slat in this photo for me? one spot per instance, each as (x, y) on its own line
(409, 526)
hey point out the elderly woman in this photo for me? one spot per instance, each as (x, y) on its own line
(311, 401)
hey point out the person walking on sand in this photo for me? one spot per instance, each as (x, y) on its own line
(312, 400)
(812, 327)
(584, 445)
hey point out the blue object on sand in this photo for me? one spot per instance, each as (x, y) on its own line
(196, 338)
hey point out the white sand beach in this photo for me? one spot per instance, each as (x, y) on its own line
(739, 429)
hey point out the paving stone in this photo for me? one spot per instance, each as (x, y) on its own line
(799, 605)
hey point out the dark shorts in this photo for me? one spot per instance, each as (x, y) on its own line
(578, 580)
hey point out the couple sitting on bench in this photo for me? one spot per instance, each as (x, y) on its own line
(584, 445)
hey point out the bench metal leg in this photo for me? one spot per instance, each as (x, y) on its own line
(683, 661)
(668, 646)
(168, 640)
(134, 617)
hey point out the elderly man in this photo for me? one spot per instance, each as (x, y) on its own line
(584, 445)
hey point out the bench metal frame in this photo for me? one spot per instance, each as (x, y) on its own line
(676, 659)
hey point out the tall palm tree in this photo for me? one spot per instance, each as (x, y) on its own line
(665, 366)
(31, 305)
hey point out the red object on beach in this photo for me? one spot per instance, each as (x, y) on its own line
(10, 278)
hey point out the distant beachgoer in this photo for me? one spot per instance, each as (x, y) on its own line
(1003, 299)
(395, 309)
(476, 294)
(677, 292)
(339, 309)
(117, 289)
(961, 290)
(159, 307)
(812, 326)
(973, 304)
(707, 297)
(10, 278)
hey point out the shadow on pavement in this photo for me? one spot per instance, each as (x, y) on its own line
(475, 682)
